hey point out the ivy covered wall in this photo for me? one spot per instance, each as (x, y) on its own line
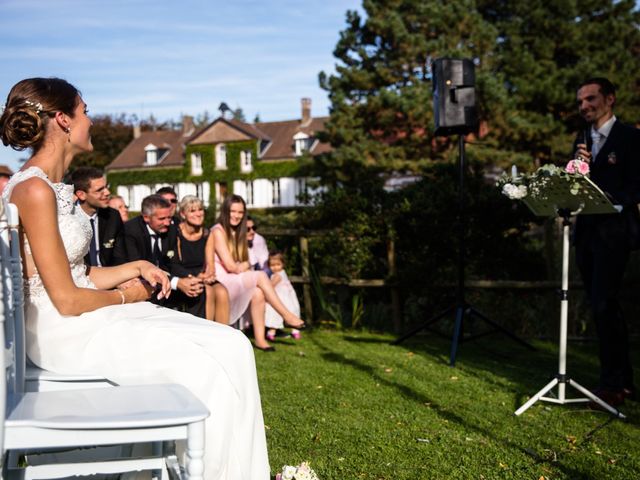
(159, 174)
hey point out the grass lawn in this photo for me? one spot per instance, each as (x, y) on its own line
(356, 407)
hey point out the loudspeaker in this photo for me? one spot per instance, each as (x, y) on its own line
(454, 96)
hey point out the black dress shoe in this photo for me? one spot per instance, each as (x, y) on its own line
(613, 398)
(630, 394)
(265, 349)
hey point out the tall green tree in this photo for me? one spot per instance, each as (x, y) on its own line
(109, 135)
(543, 51)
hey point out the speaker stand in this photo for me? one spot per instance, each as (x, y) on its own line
(461, 307)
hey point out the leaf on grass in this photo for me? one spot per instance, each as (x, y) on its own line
(388, 370)
(318, 387)
(612, 461)
(453, 378)
(503, 465)
(571, 439)
(301, 354)
(316, 437)
(423, 440)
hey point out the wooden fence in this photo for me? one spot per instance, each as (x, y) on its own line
(305, 279)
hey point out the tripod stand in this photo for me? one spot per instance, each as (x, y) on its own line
(461, 307)
(561, 379)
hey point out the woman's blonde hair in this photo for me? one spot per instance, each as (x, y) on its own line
(188, 201)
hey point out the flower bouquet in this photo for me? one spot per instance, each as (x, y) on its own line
(301, 472)
(517, 187)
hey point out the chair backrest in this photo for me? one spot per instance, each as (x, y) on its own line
(12, 299)
(3, 308)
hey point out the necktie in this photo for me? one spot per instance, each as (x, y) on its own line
(595, 147)
(156, 250)
(93, 253)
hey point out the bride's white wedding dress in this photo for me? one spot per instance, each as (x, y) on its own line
(143, 343)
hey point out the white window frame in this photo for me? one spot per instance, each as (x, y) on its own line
(246, 164)
(248, 189)
(302, 143)
(276, 197)
(196, 164)
(151, 152)
(221, 156)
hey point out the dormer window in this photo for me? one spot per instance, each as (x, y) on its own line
(302, 143)
(196, 164)
(152, 154)
(245, 161)
(221, 156)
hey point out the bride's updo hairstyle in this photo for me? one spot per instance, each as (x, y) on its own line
(30, 105)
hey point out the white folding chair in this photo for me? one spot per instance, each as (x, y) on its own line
(82, 417)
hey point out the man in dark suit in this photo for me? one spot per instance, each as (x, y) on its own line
(604, 242)
(151, 236)
(90, 188)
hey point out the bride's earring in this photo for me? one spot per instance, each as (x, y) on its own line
(68, 132)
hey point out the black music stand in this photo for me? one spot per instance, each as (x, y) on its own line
(566, 198)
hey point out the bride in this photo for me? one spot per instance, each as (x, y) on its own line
(78, 321)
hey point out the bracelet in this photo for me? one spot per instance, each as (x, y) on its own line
(121, 295)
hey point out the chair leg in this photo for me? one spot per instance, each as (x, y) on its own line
(195, 451)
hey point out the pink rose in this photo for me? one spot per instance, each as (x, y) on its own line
(577, 166)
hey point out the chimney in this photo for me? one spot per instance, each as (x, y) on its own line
(306, 112)
(187, 125)
(136, 131)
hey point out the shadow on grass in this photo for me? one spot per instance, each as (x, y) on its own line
(420, 398)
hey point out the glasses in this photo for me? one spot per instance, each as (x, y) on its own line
(173, 200)
(254, 228)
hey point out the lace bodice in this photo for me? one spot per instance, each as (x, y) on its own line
(74, 227)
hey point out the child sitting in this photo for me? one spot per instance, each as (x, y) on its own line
(287, 294)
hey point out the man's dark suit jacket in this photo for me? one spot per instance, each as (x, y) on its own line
(137, 243)
(110, 236)
(616, 170)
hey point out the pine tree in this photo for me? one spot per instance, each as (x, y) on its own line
(544, 51)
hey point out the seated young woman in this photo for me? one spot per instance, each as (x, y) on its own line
(227, 249)
(78, 322)
(213, 302)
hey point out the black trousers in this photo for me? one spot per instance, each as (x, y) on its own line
(602, 266)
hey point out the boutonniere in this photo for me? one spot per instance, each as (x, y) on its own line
(612, 159)
(109, 244)
(170, 254)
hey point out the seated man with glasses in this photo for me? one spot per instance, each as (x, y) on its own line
(170, 195)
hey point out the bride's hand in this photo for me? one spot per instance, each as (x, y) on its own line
(157, 278)
(137, 291)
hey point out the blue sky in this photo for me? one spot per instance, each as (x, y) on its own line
(171, 58)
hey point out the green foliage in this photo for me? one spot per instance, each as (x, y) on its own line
(109, 135)
(545, 50)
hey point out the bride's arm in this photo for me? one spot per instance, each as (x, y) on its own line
(36, 204)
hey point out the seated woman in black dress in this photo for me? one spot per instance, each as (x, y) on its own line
(212, 302)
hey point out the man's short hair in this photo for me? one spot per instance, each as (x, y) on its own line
(164, 190)
(82, 176)
(153, 202)
(606, 87)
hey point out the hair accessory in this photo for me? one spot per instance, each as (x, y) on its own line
(36, 105)
(2, 107)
